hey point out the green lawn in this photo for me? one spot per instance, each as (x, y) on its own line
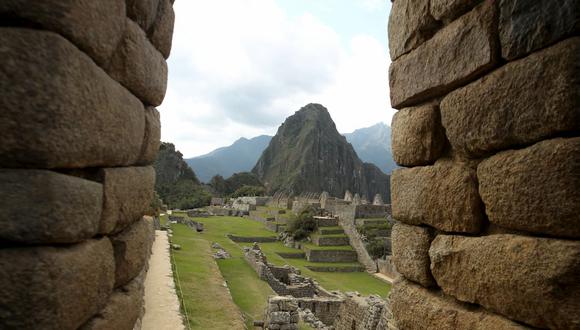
(247, 290)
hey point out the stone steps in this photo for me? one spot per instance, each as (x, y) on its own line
(370, 222)
(334, 255)
(337, 269)
(326, 222)
(330, 230)
(330, 240)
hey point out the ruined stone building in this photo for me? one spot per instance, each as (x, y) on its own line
(488, 127)
(80, 80)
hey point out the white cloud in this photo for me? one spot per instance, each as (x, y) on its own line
(239, 67)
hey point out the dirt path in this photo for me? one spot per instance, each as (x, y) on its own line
(384, 277)
(161, 302)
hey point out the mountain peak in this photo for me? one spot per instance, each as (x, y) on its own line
(307, 154)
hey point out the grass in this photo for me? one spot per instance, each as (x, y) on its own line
(249, 293)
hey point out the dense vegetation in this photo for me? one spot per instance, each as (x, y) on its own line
(303, 224)
(239, 184)
(176, 183)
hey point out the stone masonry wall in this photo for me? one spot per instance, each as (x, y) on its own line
(488, 128)
(80, 81)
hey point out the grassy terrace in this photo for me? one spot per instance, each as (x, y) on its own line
(248, 292)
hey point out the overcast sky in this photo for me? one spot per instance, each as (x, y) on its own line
(238, 68)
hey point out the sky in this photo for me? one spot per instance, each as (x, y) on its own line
(238, 68)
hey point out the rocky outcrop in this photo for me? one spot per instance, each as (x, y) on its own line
(170, 166)
(309, 155)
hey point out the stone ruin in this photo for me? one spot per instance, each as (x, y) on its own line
(80, 81)
(193, 225)
(284, 280)
(378, 200)
(487, 129)
(348, 196)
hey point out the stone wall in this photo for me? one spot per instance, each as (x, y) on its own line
(488, 126)
(80, 81)
(361, 313)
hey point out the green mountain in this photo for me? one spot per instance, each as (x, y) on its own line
(307, 154)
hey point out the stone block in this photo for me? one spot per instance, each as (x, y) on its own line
(161, 33)
(60, 110)
(415, 307)
(137, 65)
(448, 10)
(128, 193)
(455, 55)
(43, 207)
(528, 279)
(132, 247)
(443, 196)
(410, 246)
(122, 310)
(95, 27)
(528, 25)
(410, 24)
(535, 189)
(55, 287)
(522, 102)
(417, 136)
(152, 138)
(143, 12)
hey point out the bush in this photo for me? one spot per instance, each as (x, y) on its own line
(376, 248)
(249, 191)
(301, 225)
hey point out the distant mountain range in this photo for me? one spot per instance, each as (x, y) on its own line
(238, 157)
(307, 154)
(372, 145)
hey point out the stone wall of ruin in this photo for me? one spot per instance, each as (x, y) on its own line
(488, 128)
(80, 81)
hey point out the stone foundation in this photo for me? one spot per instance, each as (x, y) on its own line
(79, 132)
(488, 127)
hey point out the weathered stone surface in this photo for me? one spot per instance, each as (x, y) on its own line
(59, 109)
(410, 24)
(448, 10)
(122, 310)
(415, 307)
(528, 25)
(143, 12)
(132, 247)
(94, 26)
(410, 246)
(41, 206)
(152, 138)
(137, 65)
(161, 33)
(535, 189)
(443, 196)
(456, 54)
(417, 136)
(54, 287)
(128, 193)
(529, 279)
(522, 102)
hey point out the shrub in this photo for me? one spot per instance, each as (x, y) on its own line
(301, 225)
(249, 191)
(376, 248)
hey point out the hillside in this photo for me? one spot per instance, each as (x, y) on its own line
(176, 183)
(241, 156)
(373, 145)
(307, 154)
